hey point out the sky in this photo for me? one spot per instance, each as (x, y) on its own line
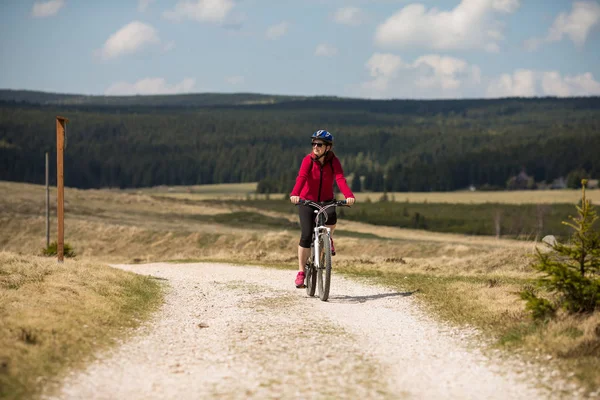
(377, 49)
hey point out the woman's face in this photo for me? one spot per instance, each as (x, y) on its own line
(319, 147)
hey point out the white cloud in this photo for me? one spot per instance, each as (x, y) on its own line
(576, 25)
(235, 80)
(437, 76)
(553, 83)
(150, 86)
(384, 65)
(349, 16)
(520, 84)
(579, 85)
(326, 50)
(129, 39)
(383, 68)
(200, 10)
(527, 83)
(470, 25)
(143, 4)
(508, 6)
(429, 76)
(42, 9)
(444, 72)
(276, 31)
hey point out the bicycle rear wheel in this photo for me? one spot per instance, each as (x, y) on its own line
(324, 271)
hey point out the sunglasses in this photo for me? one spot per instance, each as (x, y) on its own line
(319, 145)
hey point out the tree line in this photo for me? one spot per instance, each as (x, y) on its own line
(393, 145)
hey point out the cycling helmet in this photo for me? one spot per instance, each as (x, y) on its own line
(323, 135)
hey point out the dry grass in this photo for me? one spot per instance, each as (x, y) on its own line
(239, 191)
(223, 191)
(54, 316)
(465, 279)
(567, 196)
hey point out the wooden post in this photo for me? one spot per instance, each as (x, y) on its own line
(60, 186)
(47, 201)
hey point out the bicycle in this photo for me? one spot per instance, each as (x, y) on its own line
(318, 269)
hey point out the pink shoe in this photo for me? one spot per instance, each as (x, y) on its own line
(300, 280)
(332, 247)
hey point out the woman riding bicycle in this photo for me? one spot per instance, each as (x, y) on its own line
(315, 180)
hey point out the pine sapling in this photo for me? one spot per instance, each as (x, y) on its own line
(571, 271)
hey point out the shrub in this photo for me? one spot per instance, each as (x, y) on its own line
(52, 250)
(540, 308)
(571, 271)
(576, 176)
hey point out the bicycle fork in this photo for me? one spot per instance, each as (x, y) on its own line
(326, 233)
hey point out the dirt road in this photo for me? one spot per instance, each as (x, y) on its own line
(246, 332)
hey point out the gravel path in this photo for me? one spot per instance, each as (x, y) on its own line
(246, 332)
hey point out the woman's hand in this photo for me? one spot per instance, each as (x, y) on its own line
(350, 201)
(295, 199)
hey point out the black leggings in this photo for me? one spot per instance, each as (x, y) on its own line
(307, 222)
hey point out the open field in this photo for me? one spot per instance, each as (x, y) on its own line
(239, 191)
(203, 192)
(463, 279)
(570, 196)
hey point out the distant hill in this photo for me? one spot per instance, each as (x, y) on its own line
(394, 145)
(178, 100)
(249, 101)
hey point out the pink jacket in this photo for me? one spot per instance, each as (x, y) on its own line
(315, 180)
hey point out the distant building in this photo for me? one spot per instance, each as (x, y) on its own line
(542, 185)
(593, 184)
(559, 183)
(522, 181)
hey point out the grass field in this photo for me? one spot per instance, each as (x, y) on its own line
(56, 316)
(202, 192)
(240, 191)
(463, 279)
(570, 196)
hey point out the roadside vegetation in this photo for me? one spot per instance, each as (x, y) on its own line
(54, 317)
(465, 279)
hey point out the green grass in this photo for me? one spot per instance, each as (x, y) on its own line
(247, 219)
(255, 220)
(359, 235)
(522, 221)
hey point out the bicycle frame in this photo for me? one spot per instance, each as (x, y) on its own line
(320, 228)
(318, 266)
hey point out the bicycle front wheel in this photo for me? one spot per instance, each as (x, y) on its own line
(311, 279)
(311, 274)
(324, 271)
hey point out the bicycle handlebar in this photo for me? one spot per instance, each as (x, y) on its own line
(342, 203)
(320, 209)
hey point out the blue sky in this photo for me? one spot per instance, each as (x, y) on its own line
(353, 48)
